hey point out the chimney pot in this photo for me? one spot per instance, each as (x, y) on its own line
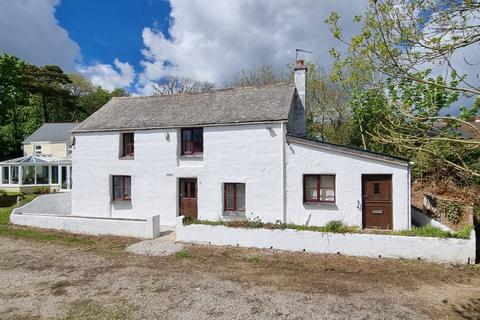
(300, 62)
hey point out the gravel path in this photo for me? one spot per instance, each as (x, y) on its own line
(162, 246)
(42, 280)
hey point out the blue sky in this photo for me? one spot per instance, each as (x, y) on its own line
(134, 43)
(110, 29)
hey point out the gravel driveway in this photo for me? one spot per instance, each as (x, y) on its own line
(44, 280)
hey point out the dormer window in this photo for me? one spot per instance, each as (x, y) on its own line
(127, 145)
(192, 141)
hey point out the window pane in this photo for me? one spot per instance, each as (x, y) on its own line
(5, 178)
(28, 173)
(240, 196)
(127, 193)
(376, 188)
(311, 194)
(327, 195)
(42, 174)
(128, 144)
(14, 175)
(54, 174)
(327, 182)
(311, 181)
(229, 196)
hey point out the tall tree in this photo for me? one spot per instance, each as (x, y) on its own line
(13, 99)
(178, 84)
(50, 84)
(264, 75)
(398, 45)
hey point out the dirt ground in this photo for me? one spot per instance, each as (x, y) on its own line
(41, 280)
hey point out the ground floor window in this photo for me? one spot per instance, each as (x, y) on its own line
(42, 174)
(54, 175)
(121, 186)
(14, 172)
(234, 196)
(28, 175)
(319, 188)
(5, 175)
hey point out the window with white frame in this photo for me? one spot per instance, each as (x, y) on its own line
(37, 149)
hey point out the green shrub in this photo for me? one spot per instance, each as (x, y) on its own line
(453, 211)
(183, 254)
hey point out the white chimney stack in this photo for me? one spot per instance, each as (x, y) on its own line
(297, 119)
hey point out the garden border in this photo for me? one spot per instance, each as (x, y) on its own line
(443, 250)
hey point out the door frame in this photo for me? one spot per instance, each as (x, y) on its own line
(179, 198)
(67, 178)
(363, 196)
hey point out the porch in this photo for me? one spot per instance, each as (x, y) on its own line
(36, 174)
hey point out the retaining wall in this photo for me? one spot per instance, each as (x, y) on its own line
(456, 251)
(142, 228)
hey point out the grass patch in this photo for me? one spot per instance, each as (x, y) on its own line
(29, 233)
(183, 254)
(254, 259)
(337, 226)
(431, 231)
(333, 226)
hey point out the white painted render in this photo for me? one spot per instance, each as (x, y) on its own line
(348, 170)
(247, 153)
(254, 154)
(367, 245)
(148, 228)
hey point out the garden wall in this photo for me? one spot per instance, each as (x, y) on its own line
(143, 228)
(443, 250)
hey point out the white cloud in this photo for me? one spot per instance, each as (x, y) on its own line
(120, 75)
(29, 30)
(211, 40)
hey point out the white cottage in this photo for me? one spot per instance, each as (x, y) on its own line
(230, 154)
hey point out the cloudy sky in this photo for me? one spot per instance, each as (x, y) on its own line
(131, 43)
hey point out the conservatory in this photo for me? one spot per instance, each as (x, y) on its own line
(36, 173)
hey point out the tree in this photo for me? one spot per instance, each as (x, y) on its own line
(178, 84)
(391, 60)
(13, 100)
(50, 84)
(265, 75)
(328, 114)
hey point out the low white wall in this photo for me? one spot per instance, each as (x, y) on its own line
(421, 219)
(147, 228)
(367, 245)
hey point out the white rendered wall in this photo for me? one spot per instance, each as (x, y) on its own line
(457, 251)
(348, 170)
(250, 154)
(148, 228)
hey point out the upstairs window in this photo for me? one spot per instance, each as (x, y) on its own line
(127, 145)
(192, 141)
(121, 188)
(234, 197)
(38, 149)
(319, 188)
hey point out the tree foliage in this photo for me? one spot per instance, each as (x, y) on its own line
(31, 95)
(178, 84)
(399, 98)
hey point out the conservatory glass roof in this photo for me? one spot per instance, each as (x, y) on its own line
(37, 159)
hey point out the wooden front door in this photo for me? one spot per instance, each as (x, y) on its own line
(188, 197)
(377, 201)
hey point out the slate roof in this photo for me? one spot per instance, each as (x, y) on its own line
(346, 149)
(225, 106)
(54, 132)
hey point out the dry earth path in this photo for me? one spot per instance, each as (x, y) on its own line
(41, 280)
